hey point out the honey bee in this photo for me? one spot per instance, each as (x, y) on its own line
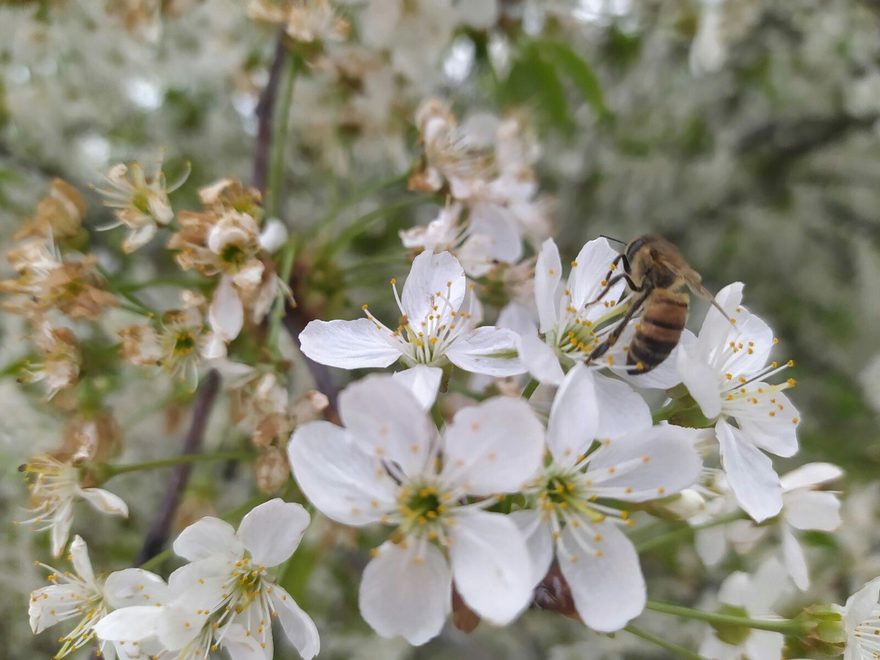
(656, 272)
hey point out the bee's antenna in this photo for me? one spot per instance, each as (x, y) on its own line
(611, 238)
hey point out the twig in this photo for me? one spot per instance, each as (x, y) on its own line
(157, 536)
(295, 320)
(264, 110)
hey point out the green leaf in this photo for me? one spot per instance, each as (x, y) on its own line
(532, 80)
(576, 69)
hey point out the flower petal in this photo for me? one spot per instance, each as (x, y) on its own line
(406, 592)
(621, 409)
(574, 417)
(226, 314)
(422, 381)
(646, 465)
(602, 568)
(493, 447)
(434, 280)
(860, 606)
(540, 359)
(548, 275)
(536, 530)
(701, 381)
(487, 350)
(750, 473)
(51, 604)
(812, 509)
(272, 531)
(105, 501)
(79, 557)
(496, 585)
(771, 423)
(795, 562)
(711, 545)
(517, 317)
(811, 474)
(135, 586)
(388, 422)
(129, 624)
(62, 520)
(273, 235)
(340, 479)
(297, 625)
(588, 272)
(357, 344)
(205, 538)
(764, 645)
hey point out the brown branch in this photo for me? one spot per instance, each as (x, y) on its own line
(295, 320)
(159, 531)
(264, 111)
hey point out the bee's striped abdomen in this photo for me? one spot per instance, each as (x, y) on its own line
(658, 331)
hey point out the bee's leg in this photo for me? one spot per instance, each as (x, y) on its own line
(611, 282)
(614, 335)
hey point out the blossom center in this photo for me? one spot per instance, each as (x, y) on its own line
(422, 507)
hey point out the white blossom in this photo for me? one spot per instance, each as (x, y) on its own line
(55, 487)
(724, 371)
(390, 465)
(861, 621)
(225, 596)
(752, 596)
(633, 462)
(86, 598)
(438, 324)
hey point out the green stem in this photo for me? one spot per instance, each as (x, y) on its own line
(114, 470)
(662, 643)
(14, 367)
(281, 120)
(182, 282)
(364, 223)
(286, 267)
(785, 626)
(134, 305)
(359, 196)
(665, 412)
(156, 560)
(530, 389)
(686, 531)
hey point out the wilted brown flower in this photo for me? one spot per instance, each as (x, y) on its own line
(47, 282)
(61, 361)
(305, 21)
(58, 215)
(177, 341)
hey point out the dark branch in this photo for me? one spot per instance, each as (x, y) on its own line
(265, 108)
(295, 321)
(159, 531)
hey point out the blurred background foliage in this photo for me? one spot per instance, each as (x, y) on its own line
(745, 131)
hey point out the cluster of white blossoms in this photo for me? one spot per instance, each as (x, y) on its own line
(225, 597)
(558, 488)
(506, 457)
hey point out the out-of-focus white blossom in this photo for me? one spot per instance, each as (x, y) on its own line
(55, 487)
(139, 201)
(753, 596)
